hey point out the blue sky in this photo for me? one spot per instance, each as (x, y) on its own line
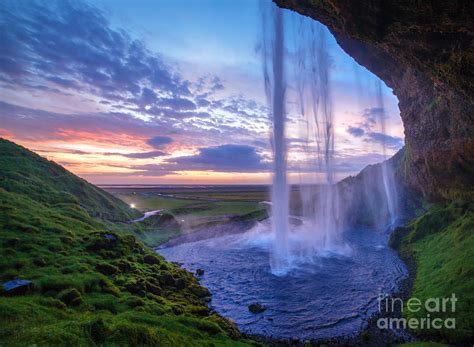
(125, 91)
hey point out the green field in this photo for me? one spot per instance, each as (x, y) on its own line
(145, 203)
(146, 199)
(191, 209)
(231, 205)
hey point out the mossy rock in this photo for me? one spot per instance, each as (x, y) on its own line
(107, 269)
(199, 291)
(124, 265)
(135, 287)
(166, 279)
(134, 301)
(71, 297)
(156, 290)
(98, 330)
(227, 325)
(151, 259)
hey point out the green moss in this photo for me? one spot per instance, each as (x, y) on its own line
(442, 241)
(70, 296)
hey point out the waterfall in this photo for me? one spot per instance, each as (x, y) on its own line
(387, 171)
(275, 91)
(312, 84)
(313, 97)
(305, 98)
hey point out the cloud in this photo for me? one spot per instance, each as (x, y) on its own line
(139, 155)
(134, 155)
(71, 44)
(28, 124)
(216, 84)
(365, 129)
(384, 139)
(178, 104)
(159, 141)
(148, 97)
(151, 170)
(354, 131)
(65, 83)
(370, 116)
(229, 157)
(70, 48)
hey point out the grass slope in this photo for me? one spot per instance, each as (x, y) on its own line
(93, 283)
(24, 172)
(442, 242)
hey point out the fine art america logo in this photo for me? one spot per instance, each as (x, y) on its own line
(434, 307)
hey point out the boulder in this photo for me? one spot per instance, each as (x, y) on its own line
(256, 308)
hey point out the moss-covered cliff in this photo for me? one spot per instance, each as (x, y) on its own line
(441, 240)
(425, 52)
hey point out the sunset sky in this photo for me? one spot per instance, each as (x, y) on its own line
(164, 92)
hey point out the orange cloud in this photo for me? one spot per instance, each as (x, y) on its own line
(103, 137)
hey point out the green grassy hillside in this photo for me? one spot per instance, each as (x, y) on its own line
(441, 242)
(24, 172)
(92, 282)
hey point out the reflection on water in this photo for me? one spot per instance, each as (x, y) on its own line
(323, 296)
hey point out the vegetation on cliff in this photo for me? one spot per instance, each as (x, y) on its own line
(441, 241)
(92, 282)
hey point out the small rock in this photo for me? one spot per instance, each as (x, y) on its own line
(256, 308)
(199, 272)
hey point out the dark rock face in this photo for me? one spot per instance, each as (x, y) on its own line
(424, 51)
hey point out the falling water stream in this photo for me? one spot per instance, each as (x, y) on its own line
(387, 171)
(322, 226)
(280, 199)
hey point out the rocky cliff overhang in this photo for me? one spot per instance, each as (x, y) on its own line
(424, 51)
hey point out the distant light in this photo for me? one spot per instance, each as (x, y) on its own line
(132, 205)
